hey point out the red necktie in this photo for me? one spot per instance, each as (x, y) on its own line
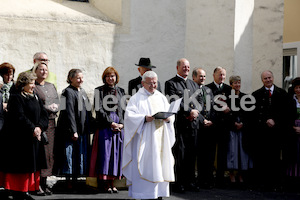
(270, 93)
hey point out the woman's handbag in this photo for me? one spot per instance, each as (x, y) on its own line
(44, 138)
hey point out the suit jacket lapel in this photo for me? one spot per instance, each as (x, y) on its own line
(181, 82)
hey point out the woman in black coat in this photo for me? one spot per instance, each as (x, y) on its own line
(237, 158)
(72, 135)
(24, 154)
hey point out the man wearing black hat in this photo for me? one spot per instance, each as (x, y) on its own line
(135, 84)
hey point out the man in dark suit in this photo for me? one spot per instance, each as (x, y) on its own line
(135, 84)
(221, 131)
(269, 120)
(186, 125)
(206, 145)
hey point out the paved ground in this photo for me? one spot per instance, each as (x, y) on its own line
(203, 194)
(87, 192)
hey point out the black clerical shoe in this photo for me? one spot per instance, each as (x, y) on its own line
(178, 188)
(192, 187)
(206, 185)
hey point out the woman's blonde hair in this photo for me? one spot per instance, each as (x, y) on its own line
(37, 64)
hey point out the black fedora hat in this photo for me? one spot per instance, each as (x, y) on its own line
(145, 62)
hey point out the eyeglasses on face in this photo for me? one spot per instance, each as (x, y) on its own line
(153, 83)
(43, 60)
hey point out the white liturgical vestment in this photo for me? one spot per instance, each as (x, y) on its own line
(148, 162)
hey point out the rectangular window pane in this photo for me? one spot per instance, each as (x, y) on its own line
(289, 70)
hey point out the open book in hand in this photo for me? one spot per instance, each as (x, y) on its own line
(172, 110)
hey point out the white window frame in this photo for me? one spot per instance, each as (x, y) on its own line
(290, 49)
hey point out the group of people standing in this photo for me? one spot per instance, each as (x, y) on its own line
(27, 122)
(33, 147)
(253, 137)
(220, 131)
(131, 142)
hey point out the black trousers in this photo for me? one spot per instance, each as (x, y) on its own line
(206, 151)
(222, 137)
(185, 152)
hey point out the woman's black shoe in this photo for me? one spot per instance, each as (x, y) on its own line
(22, 196)
(39, 192)
(4, 194)
(27, 196)
(109, 190)
(48, 191)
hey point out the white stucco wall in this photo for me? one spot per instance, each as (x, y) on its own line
(210, 35)
(267, 40)
(157, 30)
(75, 34)
(243, 43)
(243, 36)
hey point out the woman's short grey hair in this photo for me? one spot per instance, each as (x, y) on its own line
(24, 79)
(72, 73)
(233, 79)
(149, 74)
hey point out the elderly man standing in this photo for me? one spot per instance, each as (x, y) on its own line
(221, 130)
(206, 144)
(148, 163)
(269, 125)
(186, 126)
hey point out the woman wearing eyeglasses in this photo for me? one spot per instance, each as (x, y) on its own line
(48, 94)
(106, 159)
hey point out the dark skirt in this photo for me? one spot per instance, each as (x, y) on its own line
(237, 158)
(106, 158)
(294, 168)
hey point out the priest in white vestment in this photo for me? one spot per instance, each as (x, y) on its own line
(148, 162)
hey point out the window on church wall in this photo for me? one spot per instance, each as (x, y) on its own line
(289, 70)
